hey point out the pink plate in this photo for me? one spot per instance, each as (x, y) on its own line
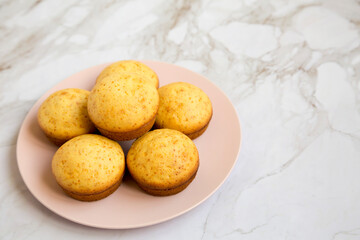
(129, 207)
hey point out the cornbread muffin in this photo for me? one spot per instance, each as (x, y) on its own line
(63, 115)
(163, 162)
(89, 167)
(130, 66)
(123, 110)
(184, 107)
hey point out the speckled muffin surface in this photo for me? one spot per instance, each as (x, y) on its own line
(123, 110)
(184, 107)
(63, 115)
(89, 167)
(130, 66)
(163, 162)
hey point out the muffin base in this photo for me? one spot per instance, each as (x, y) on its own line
(198, 133)
(94, 196)
(125, 136)
(56, 141)
(167, 191)
(191, 135)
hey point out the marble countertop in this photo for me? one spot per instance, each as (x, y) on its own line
(291, 69)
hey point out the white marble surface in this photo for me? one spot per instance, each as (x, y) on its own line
(291, 69)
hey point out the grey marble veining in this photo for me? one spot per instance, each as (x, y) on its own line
(291, 69)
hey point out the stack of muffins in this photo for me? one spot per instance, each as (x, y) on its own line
(125, 104)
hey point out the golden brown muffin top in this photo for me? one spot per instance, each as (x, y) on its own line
(130, 66)
(88, 164)
(183, 107)
(122, 105)
(163, 158)
(63, 115)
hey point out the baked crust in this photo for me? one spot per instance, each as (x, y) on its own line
(89, 167)
(184, 107)
(130, 66)
(63, 115)
(163, 162)
(123, 110)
